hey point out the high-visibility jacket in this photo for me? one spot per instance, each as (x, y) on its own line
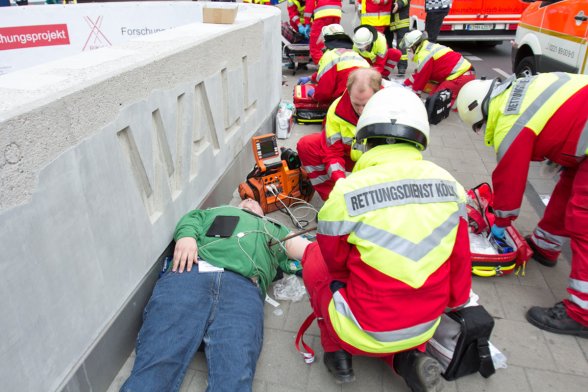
(376, 56)
(296, 13)
(317, 9)
(339, 132)
(436, 63)
(521, 129)
(376, 15)
(395, 234)
(400, 20)
(333, 70)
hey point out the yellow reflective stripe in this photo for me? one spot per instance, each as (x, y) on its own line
(344, 61)
(349, 330)
(531, 110)
(390, 241)
(326, 11)
(376, 21)
(460, 68)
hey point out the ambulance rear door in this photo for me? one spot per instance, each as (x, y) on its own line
(563, 33)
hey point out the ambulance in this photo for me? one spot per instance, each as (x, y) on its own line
(486, 21)
(552, 37)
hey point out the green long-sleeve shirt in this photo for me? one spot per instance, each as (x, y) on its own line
(246, 251)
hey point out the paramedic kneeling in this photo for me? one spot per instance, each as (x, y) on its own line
(392, 251)
(218, 301)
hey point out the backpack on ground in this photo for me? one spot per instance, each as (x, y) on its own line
(461, 343)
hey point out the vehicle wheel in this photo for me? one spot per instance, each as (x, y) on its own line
(526, 67)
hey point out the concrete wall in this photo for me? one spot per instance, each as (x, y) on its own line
(100, 155)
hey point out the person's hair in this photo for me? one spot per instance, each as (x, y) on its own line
(374, 81)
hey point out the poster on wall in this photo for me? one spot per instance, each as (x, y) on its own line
(34, 35)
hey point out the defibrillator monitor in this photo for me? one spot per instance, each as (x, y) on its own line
(222, 226)
(266, 151)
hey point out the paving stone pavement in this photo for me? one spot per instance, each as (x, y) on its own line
(537, 361)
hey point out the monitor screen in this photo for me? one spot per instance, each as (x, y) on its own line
(267, 147)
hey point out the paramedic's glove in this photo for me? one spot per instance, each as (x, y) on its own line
(310, 92)
(497, 232)
(185, 254)
(304, 80)
(302, 29)
(307, 32)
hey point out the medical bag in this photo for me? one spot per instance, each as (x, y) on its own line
(308, 111)
(461, 343)
(438, 106)
(491, 256)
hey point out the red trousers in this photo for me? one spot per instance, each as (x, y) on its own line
(316, 48)
(566, 215)
(455, 85)
(312, 151)
(317, 280)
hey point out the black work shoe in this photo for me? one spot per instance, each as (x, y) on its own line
(556, 320)
(421, 372)
(538, 256)
(339, 364)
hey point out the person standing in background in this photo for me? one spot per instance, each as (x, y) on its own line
(399, 23)
(436, 10)
(319, 14)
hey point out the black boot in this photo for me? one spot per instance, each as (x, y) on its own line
(538, 256)
(339, 364)
(421, 372)
(556, 320)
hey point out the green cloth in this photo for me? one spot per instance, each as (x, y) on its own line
(246, 252)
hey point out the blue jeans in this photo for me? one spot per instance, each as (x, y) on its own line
(223, 309)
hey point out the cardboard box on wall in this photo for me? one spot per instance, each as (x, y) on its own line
(224, 15)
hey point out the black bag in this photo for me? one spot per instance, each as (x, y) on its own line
(438, 106)
(460, 343)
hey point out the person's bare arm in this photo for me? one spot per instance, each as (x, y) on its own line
(296, 246)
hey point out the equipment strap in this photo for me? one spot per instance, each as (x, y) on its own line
(309, 354)
(486, 364)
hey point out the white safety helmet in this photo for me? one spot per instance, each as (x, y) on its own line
(393, 113)
(411, 39)
(473, 100)
(363, 37)
(332, 29)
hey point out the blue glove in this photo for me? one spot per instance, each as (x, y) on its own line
(497, 232)
(302, 29)
(304, 80)
(307, 32)
(310, 92)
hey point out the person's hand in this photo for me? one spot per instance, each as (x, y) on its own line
(185, 254)
(395, 8)
(301, 29)
(498, 232)
(310, 92)
(307, 32)
(304, 80)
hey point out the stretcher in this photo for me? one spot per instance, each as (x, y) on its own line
(295, 48)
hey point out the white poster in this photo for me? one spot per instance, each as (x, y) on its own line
(37, 34)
